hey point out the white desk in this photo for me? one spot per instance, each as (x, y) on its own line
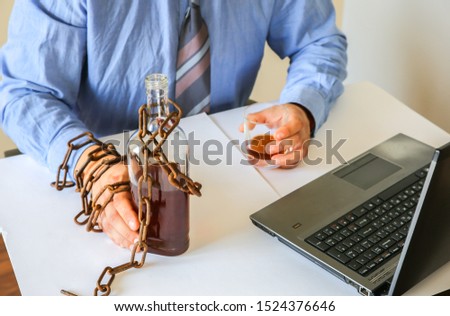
(228, 255)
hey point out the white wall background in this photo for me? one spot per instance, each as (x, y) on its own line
(271, 77)
(403, 46)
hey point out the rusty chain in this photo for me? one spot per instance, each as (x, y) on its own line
(104, 156)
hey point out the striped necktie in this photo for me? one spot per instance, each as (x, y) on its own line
(193, 78)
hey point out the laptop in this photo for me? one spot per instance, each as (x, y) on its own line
(379, 223)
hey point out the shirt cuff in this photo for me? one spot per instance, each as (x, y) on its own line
(59, 148)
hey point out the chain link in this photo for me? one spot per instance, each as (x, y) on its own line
(105, 156)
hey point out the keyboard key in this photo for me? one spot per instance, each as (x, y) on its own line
(366, 231)
(318, 243)
(409, 204)
(395, 249)
(330, 242)
(393, 213)
(405, 218)
(339, 256)
(352, 227)
(385, 219)
(366, 244)
(358, 212)
(422, 173)
(387, 206)
(389, 228)
(386, 254)
(338, 237)
(372, 216)
(397, 236)
(343, 222)
(369, 205)
(354, 265)
(378, 260)
(401, 209)
(369, 255)
(376, 201)
(378, 224)
(374, 239)
(398, 223)
(377, 250)
(371, 265)
(348, 243)
(395, 201)
(350, 217)
(404, 230)
(379, 211)
(328, 231)
(341, 248)
(335, 226)
(362, 222)
(359, 249)
(345, 232)
(351, 254)
(356, 238)
(363, 271)
(387, 243)
(320, 236)
(382, 233)
(362, 260)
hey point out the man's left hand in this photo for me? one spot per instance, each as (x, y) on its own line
(292, 135)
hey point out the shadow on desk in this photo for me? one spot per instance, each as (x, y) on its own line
(8, 283)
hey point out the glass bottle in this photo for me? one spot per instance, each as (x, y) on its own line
(168, 231)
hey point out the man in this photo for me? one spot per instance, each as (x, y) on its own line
(78, 65)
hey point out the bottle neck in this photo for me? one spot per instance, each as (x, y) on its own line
(157, 88)
(156, 107)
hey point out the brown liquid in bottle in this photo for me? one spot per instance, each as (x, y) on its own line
(168, 232)
(259, 147)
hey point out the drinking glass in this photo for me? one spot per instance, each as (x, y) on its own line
(259, 143)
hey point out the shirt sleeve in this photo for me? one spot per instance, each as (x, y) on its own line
(41, 66)
(306, 32)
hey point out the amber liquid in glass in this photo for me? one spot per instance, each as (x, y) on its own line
(168, 232)
(258, 147)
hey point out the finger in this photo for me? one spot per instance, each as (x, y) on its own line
(124, 206)
(272, 116)
(292, 156)
(285, 145)
(241, 128)
(246, 126)
(288, 160)
(112, 233)
(114, 226)
(290, 128)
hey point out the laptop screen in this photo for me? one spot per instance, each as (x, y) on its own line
(428, 242)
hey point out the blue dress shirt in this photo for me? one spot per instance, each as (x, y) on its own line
(75, 65)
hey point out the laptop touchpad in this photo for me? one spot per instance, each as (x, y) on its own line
(367, 171)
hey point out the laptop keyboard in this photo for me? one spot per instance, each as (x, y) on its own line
(374, 232)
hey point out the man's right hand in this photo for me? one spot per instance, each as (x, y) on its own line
(118, 220)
